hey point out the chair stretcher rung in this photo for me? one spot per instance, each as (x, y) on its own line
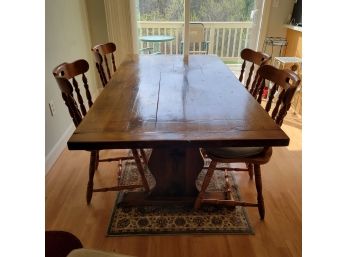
(116, 159)
(228, 168)
(117, 188)
(228, 202)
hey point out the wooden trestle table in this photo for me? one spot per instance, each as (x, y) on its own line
(158, 102)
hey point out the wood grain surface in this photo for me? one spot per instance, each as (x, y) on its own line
(157, 101)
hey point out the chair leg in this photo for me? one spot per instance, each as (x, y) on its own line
(258, 183)
(140, 169)
(97, 160)
(92, 166)
(143, 156)
(205, 184)
(119, 173)
(204, 154)
(250, 170)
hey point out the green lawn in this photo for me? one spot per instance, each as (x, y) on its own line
(233, 62)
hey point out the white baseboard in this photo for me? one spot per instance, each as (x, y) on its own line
(58, 148)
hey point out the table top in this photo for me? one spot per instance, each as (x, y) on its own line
(157, 38)
(158, 101)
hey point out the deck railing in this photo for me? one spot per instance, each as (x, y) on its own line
(226, 39)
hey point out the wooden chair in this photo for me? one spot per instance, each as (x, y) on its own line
(286, 82)
(254, 58)
(197, 38)
(101, 53)
(77, 109)
(198, 44)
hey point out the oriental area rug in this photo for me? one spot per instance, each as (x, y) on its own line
(176, 219)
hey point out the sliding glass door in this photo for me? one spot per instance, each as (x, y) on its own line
(162, 18)
(228, 26)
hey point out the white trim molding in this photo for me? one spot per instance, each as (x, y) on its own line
(58, 148)
(133, 10)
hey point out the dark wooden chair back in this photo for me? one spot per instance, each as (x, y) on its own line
(255, 58)
(285, 83)
(102, 53)
(68, 71)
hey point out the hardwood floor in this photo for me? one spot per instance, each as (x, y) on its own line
(278, 235)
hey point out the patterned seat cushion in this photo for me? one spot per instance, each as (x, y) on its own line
(234, 152)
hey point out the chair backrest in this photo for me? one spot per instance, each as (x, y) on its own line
(196, 32)
(285, 82)
(197, 41)
(101, 53)
(255, 58)
(68, 71)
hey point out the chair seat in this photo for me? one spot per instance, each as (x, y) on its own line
(234, 152)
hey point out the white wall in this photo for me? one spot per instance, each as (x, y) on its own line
(97, 26)
(97, 21)
(279, 15)
(276, 14)
(67, 39)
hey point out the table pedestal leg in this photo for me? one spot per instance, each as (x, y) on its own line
(175, 170)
